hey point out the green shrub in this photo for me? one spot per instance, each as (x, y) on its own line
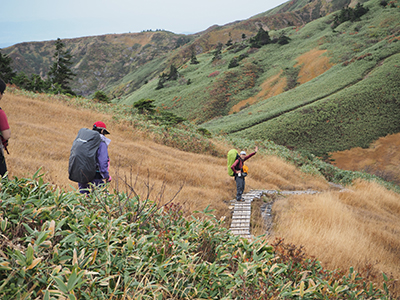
(101, 96)
(204, 132)
(233, 63)
(145, 106)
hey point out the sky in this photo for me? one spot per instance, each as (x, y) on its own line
(43, 20)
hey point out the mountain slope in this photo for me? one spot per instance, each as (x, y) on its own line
(283, 92)
(44, 127)
(306, 118)
(102, 62)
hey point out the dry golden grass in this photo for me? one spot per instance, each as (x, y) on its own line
(382, 158)
(43, 131)
(355, 227)
(313, 63)
(273, 86)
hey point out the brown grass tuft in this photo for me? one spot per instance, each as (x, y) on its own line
(382, 158)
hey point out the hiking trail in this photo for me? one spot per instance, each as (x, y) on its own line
(241, 214)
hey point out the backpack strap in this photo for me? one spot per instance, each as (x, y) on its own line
(237, 166)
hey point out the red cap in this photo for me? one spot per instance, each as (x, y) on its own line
(101, 125)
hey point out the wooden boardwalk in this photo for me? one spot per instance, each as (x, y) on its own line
(241, 215)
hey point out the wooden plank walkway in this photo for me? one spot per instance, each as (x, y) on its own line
(241, 215)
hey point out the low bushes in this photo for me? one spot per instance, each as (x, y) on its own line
(65, 245)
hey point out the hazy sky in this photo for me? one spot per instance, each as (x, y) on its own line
(41, 20)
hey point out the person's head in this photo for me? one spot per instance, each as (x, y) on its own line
(242, 154)
(2, 87)
(100, 127)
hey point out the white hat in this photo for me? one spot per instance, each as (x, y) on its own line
(243, 153)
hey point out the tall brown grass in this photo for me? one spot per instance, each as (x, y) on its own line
(357, 227)
(44, 128)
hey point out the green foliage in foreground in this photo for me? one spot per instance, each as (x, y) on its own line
(113, 246)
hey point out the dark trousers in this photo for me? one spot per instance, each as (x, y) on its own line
(239, 187)
(3, 166)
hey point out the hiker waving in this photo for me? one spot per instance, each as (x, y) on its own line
(237, 168)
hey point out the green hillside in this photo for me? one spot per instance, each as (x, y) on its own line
(351, 104)
(117, 63)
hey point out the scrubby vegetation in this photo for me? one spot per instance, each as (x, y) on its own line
(120, 245)
(101, 96)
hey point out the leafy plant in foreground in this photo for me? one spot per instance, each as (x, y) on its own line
(119, 245)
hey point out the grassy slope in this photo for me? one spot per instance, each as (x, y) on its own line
(43, 129)
(142, 56)
(205, 42)
(355, 116)
(347, 224)
(367, 43)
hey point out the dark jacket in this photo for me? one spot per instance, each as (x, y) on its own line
(238, 164)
